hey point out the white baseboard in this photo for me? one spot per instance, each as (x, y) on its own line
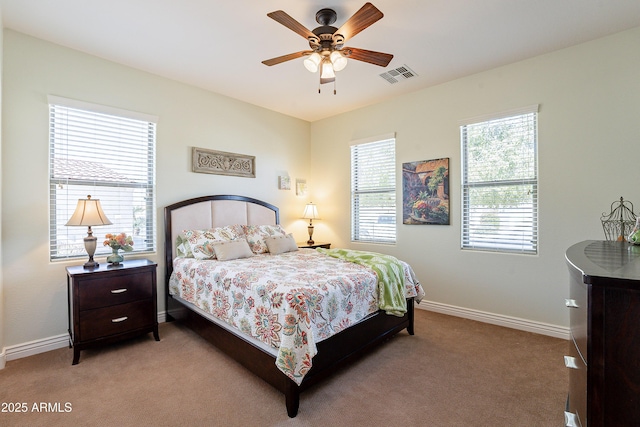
(46, 344)
(59, 341)
(38, 346)
(497, 319)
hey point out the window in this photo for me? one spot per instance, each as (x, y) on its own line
(373, 191)
(500, 183)
(110, 155)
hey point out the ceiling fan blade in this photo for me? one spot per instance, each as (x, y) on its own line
(367, 15)
(286, 20)
(284, 58)
(370, 56)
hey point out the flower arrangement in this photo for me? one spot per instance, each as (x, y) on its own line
(420, 208)
(119, 241)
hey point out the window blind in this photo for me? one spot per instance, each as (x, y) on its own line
(110, 157)
(373, 192)
(500, 184)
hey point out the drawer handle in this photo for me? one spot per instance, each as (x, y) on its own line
(571, 303)
(119, 319)
(119, 291)
(571, 419)
(570, 362)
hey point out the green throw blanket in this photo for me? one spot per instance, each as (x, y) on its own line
(391, 292)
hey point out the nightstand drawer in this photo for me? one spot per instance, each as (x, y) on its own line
(117, 319)
(109, 304)
(108, 291)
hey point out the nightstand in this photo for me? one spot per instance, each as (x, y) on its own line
(314, 245)
(111, 303)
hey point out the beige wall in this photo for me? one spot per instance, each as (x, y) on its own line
(34, 288)
(589, 98)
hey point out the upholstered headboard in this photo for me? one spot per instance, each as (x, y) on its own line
(207, 212)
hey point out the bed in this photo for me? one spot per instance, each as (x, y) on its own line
(291, 316)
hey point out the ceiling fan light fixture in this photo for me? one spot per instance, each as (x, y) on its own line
(328, 53)
(312, 62)
(338, 60)
(327, 71)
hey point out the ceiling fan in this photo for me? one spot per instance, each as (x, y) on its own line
(328, 52)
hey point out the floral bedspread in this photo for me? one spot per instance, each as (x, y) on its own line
(288, 301)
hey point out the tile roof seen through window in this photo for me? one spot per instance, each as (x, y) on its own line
(85, 170)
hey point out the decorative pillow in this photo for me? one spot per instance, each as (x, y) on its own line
(281, 244)
(183, 249)
(234, 249)
(201, 241)
(255, 235)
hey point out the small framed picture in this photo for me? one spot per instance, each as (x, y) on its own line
(301, 187)
(284, 183)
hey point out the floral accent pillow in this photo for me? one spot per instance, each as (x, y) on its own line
(183, 248)
(255, 235)
(202, 241)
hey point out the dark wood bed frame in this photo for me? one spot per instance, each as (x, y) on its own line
(333, 352)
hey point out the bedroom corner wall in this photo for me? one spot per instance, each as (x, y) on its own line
(35, 315)
(589, 97)
(3, 356)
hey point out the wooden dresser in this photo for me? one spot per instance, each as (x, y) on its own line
(604, 359)
(111, 303)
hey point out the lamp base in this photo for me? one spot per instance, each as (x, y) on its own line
(310, 230)
(90, 247)
(91, 264)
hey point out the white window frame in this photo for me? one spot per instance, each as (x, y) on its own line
(373, 190)
(509, 222)
(108, 153)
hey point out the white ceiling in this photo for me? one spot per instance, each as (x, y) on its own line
(219, 45)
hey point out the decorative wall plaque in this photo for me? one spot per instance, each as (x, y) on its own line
(223, 163)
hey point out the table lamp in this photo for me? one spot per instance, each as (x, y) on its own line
(310, 213)
(89, 212)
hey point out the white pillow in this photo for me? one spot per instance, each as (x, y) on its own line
(234, 249)
(281, 244)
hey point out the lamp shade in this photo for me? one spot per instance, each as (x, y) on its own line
(88, 212)
(310, 212)
(326, 70)
(338, 60)
(312, 62)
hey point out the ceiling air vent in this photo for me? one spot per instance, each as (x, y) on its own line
(398, 74)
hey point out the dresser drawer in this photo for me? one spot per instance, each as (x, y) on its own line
(577, 383)
(103, 322)
(578, 312)
(113, 290)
